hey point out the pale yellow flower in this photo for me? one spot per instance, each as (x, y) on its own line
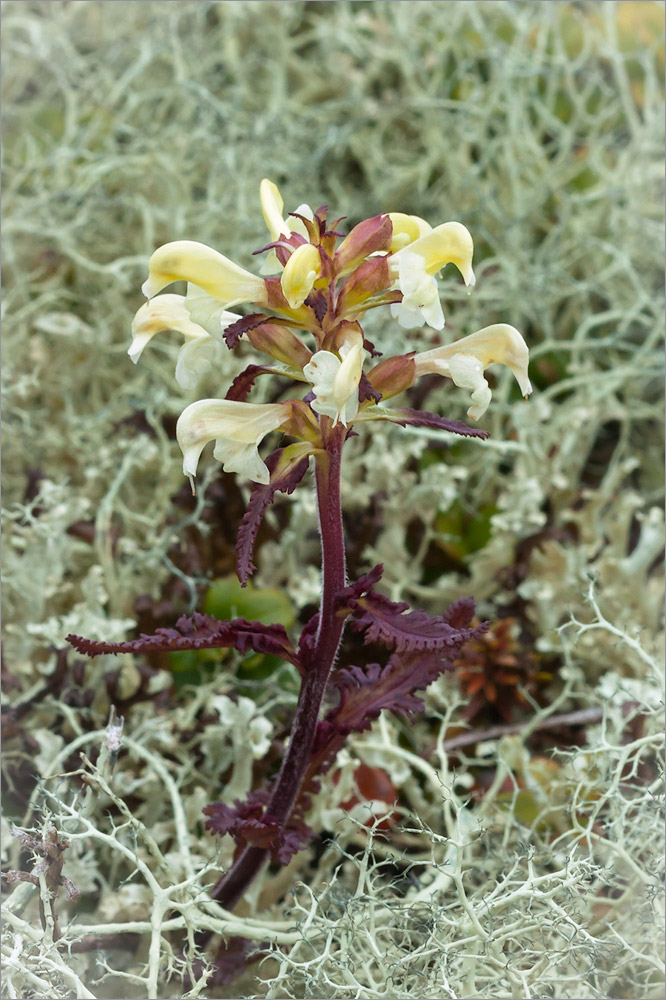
(170, 312)
(466, 360)
(335, 381)
(300, 273)
(237, 429)
(414, 266)
(407, 229)
(215, 274)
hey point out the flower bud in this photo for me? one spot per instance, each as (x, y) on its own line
(393, 375)
(370, 236)
(370, 278)
(300, 273)
(280, 343)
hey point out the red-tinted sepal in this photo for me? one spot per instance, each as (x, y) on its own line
(302, 423)
(393, 375)
(370, 278)
(279, 342)
(370, 236)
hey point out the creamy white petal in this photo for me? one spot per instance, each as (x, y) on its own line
(420, 296)
(466, 360)
(243, 459)
(194, 360)
(208, 312)
(449, 243)
(165, 312)
(237, 429)
(467, 372)
(499, 343)
(335, 382)
(270, 264)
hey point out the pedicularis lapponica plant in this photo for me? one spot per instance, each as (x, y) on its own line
(318, 284)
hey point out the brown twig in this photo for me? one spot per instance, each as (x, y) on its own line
(581, 717)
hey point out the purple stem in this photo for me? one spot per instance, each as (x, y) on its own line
(233, 884)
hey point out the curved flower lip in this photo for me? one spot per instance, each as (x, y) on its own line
(172, 312)
(450, 243)
(465, 361)
(300, 273)
(208, 312)
(166, 312)
(190, 261)
(237, 429)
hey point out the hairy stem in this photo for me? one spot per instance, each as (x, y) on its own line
(294, 765)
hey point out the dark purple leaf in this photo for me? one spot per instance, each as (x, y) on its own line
(393, 624)
(242, 385)
(371, 349)
(317, 302)
(421, 418)
(360, 587)
(199, 632)
(287, 467)
(365, 692)
(366, 391)
(233, 333)
(306, 641)
(460, 613)
(248, 825)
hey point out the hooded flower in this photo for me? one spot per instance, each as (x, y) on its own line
(335, 382)
(271, 209)
(413, 268)
(466, 360)
(420, 295)
(169, 312)
(237, 429)
(215, 274)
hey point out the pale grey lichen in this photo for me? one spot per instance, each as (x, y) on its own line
(538, 125)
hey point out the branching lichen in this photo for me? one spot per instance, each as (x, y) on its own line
(508, 869)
